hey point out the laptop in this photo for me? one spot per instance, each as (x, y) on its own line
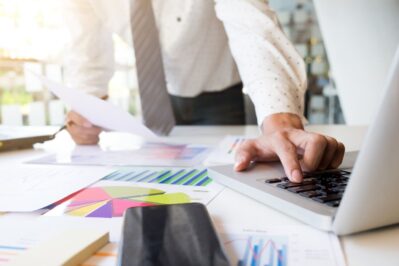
(362, 194)
(23, 137)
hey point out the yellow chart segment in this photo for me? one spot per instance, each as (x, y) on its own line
(112, 201)
(83, 211)
(172, 198)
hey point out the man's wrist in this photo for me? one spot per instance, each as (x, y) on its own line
(280, 121)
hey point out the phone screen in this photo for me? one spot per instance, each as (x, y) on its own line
(167, 235)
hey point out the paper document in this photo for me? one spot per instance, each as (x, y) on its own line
(225, 152)
(98, 112)
(275, 246)
(147, 154)
(271, 246)
(71, 247)
(107, 256)
(19, 237)
(139, 187)
(25, 188)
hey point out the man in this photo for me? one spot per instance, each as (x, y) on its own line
(208, 47)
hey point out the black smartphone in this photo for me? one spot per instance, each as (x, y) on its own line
(170, 235)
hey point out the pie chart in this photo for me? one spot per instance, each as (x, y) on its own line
(112, 201)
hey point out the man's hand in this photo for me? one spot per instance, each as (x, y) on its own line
(81, 130)
(285, 139)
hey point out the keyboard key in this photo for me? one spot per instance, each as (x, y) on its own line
(311, 194)
(292, 184)
(324, 192)
(311, 179)
(302, 188)
(331, 184)
(328, 197)
(345, 172)
(334, 203)
(272, 181)
(338, 189)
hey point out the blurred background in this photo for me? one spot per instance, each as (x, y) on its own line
(33, 39)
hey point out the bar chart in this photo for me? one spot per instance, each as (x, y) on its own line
(226, 150)
(255, 250)
(184, 177)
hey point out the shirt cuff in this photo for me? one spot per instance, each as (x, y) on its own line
(277, 98)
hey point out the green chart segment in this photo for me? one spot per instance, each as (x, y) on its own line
(184, 177)
(108, 202)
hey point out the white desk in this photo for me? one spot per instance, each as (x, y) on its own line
(378, 247)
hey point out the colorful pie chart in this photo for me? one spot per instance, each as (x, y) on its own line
(112, 201)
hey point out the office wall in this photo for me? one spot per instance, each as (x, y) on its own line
(361, 37)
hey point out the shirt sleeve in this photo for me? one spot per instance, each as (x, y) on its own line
(271, 69)
(89, 57)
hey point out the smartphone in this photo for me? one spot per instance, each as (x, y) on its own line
(170, 235)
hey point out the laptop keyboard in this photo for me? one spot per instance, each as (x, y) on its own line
(323, 187)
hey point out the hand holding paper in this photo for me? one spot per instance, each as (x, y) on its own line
(100, 113)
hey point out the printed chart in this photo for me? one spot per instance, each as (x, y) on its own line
(126, 188)
(235, 144)
(258, 250)
(280, 246)
(185, 177)
(225, 151)
(7, 253)
(112, 201)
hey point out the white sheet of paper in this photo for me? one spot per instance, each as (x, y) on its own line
(98, 112)
(25, 188)
(225, 152)
(149, 154)
(19, 235)
(280, 245)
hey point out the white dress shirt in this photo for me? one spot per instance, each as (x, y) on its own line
(203, 43)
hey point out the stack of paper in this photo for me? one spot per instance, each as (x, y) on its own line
(48, 242)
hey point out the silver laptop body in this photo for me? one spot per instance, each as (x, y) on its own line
(371, 197)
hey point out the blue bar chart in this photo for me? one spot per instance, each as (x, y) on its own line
(184, 177)
(257, 250)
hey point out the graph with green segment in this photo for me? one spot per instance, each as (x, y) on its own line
(184, 177)
(112, 201)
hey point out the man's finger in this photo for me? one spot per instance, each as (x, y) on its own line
(287, 152)
(314, 150)
(245, 154)
(82, 135)
(75, 118)
(83, 131)
(329, 153)
(86, 141)
(339, 156)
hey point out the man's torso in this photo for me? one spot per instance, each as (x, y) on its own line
(194, 43)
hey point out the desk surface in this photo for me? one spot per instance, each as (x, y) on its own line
(378, 247)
